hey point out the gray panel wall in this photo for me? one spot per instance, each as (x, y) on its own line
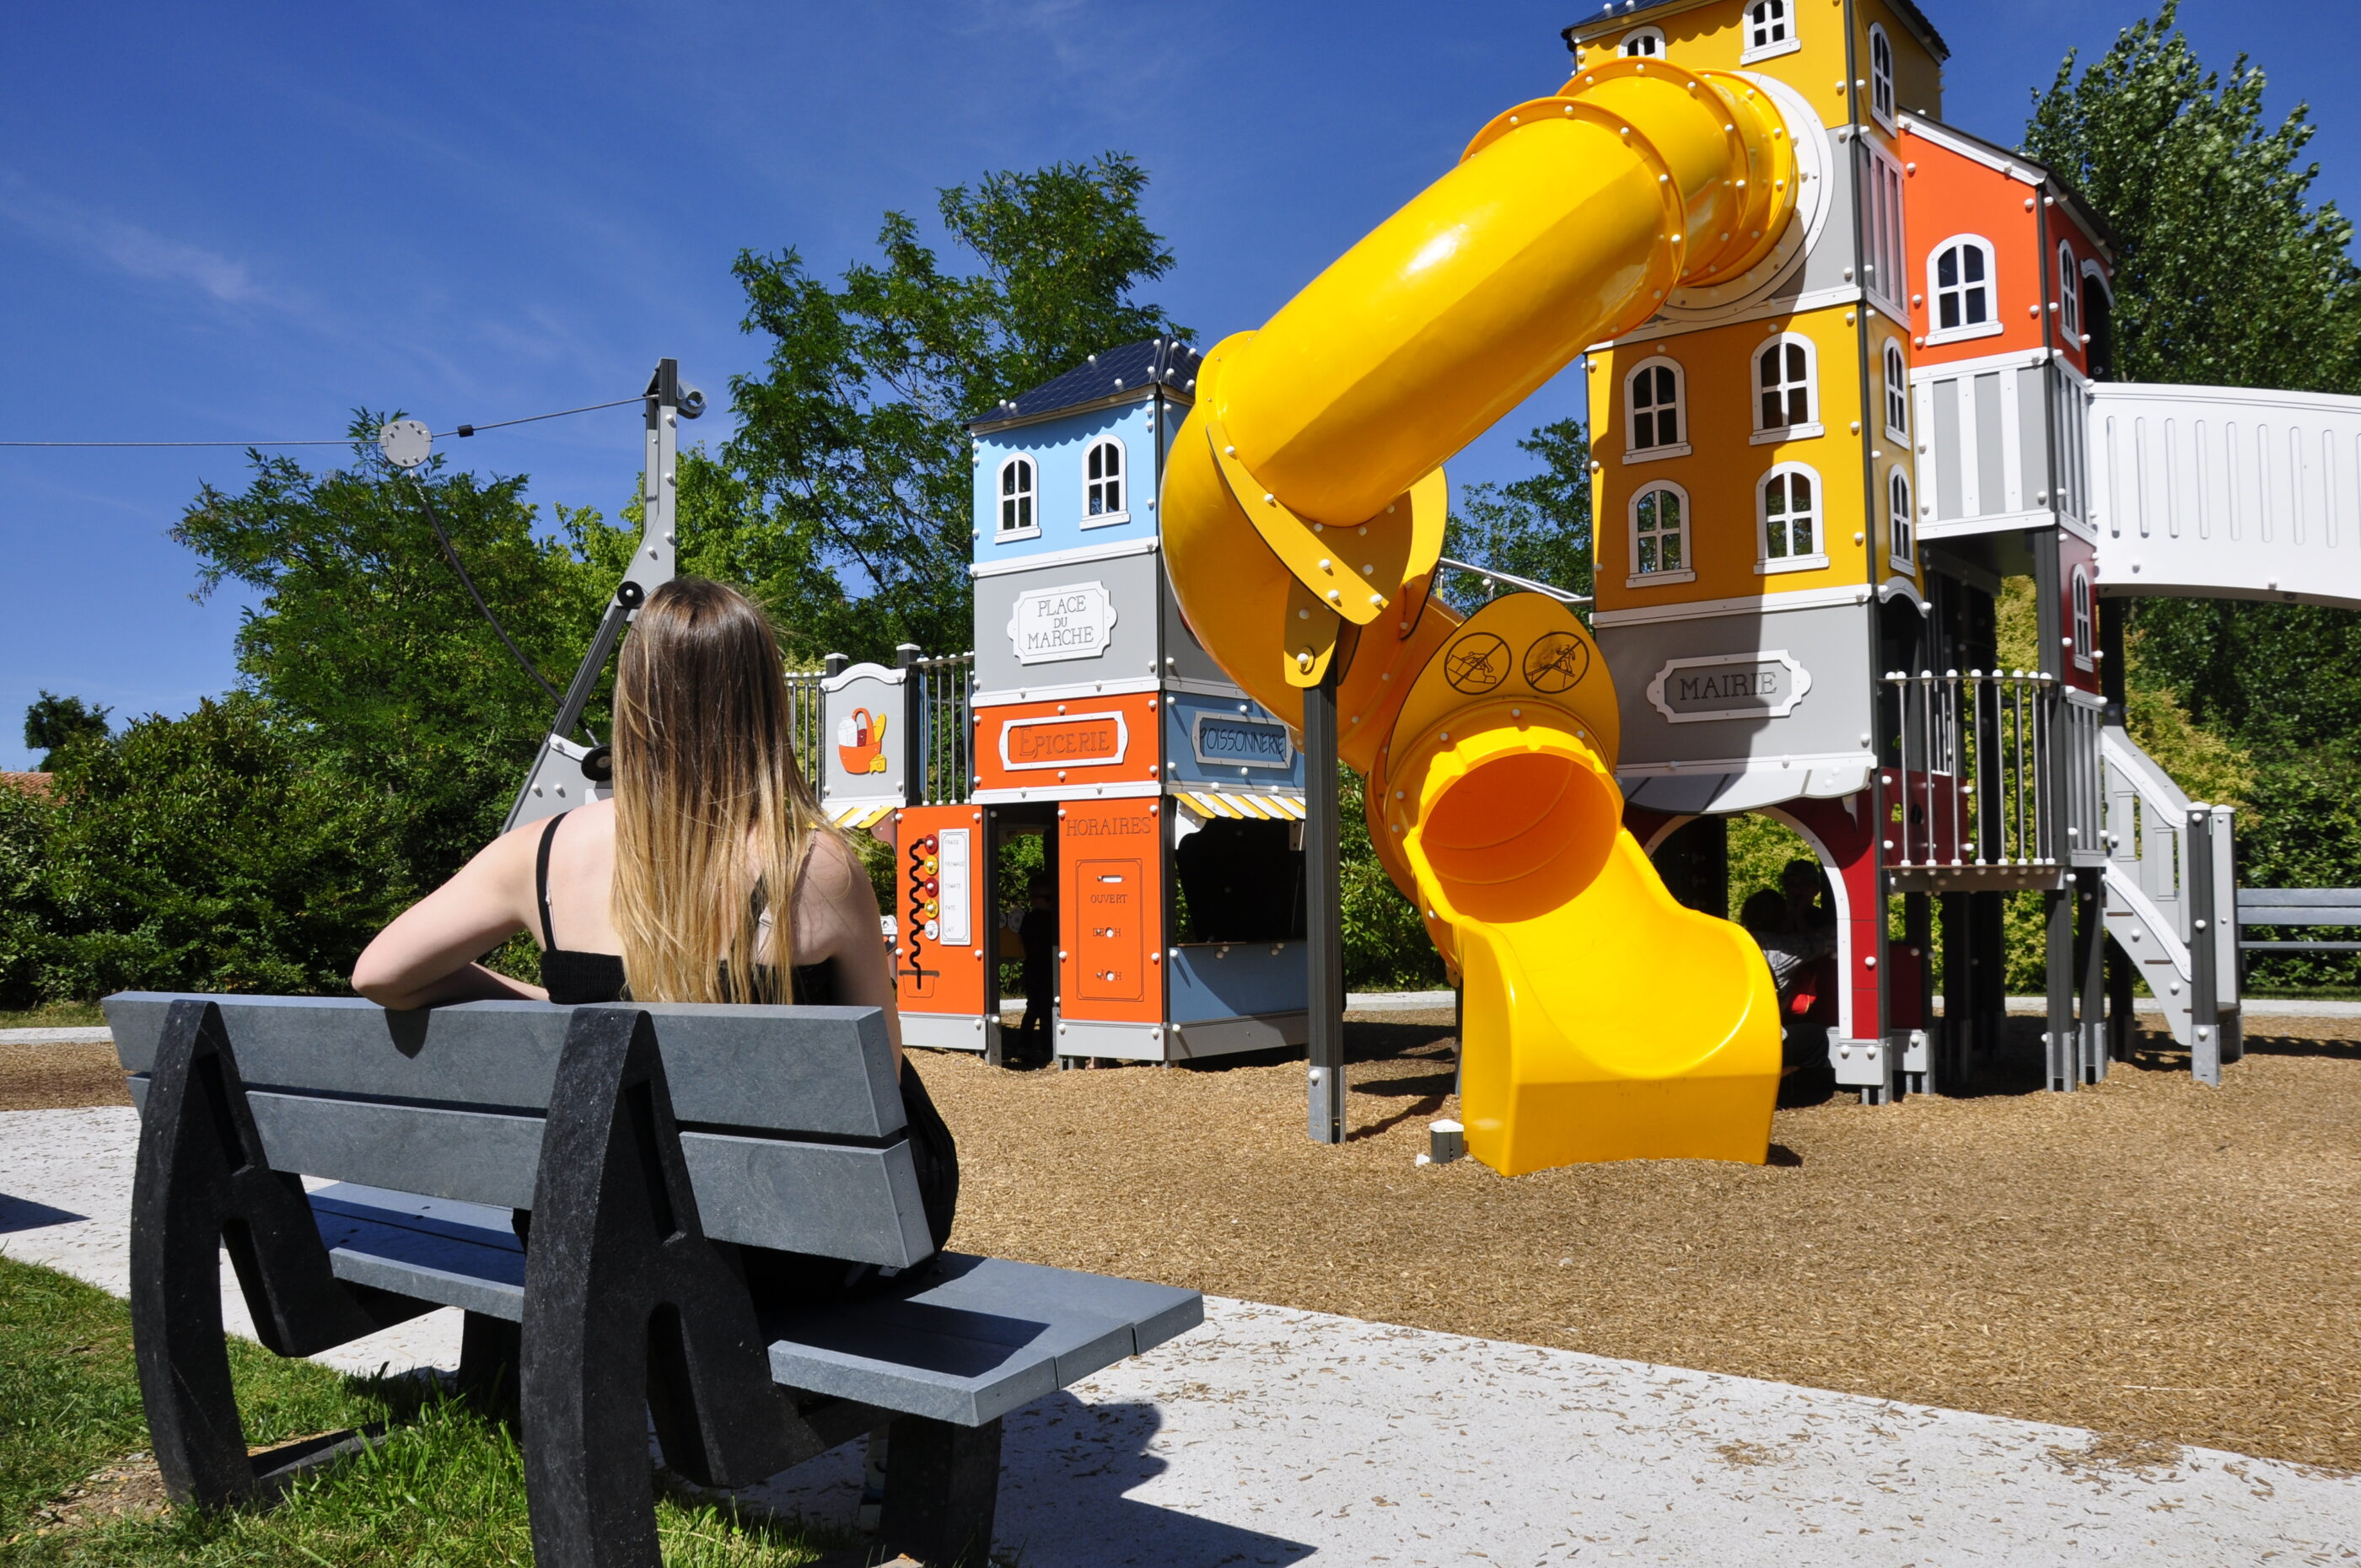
(1985, 459)
(1831, 643)
(1132, 587)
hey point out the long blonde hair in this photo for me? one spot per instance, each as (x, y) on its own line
(712, 815)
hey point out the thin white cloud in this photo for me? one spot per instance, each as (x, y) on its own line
(129, 248)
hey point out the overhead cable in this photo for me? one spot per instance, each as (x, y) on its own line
(462, 430)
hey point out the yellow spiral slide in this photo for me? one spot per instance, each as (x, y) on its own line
(1303, 512)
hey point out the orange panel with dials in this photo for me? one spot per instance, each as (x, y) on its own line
(1058, 746)
(942, 909)
(1111, 911)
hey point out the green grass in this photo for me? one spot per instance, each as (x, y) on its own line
(53, 1015)
(445, 1489)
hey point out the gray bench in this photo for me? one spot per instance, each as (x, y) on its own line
(638, 1136)
(2298, 906)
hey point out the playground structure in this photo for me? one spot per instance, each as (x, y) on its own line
(1169, 805)
(1848, 369)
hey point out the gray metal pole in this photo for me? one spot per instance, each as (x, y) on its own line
(1323, 913)
(2204, 1001)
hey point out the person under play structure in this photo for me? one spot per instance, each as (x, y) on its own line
(711, 876)
(1038, 934)
(1799, 965)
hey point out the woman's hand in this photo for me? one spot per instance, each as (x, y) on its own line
(428, 954)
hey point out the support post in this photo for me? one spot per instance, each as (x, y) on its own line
(2090, 957)
(1323, 914)
(1959, 996)
(2205, 999)
(2058, 1033)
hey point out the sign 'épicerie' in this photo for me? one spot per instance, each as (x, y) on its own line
(1070, 621)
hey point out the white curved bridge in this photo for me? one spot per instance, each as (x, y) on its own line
(2216, 492)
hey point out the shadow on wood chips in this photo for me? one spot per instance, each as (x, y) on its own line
(2148, 1258)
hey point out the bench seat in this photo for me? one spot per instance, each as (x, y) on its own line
(966, 1340)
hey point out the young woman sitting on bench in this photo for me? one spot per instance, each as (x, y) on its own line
(671, 891)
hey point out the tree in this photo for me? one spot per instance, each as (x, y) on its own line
(1537, 527)
(853, 444)
(54, 722)
(367, 648)
(208, 853)
(2227, 274)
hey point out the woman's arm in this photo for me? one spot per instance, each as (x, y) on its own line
(428, 954)
(836, 918)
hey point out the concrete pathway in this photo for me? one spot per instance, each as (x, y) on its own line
(1273, 1436)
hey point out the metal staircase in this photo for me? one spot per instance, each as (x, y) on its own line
(2169, 868)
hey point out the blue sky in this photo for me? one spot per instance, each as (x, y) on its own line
(238, 223)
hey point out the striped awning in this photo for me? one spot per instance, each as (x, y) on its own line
(862, 814)
(1238, 803)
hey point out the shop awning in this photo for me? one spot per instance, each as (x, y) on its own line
(1212, 803)
(861, 815)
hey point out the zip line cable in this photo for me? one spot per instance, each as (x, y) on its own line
(462, 430)
(451, 553)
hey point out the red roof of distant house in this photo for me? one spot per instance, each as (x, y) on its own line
(31, 783)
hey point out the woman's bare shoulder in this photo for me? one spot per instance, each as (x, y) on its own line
(832, 870)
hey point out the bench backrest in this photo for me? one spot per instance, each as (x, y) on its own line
(2299, 906)
(791, 1117)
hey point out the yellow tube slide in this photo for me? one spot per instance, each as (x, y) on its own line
(1303, 512)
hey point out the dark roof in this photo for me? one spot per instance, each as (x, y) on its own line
(1115, 375)
(1625, 8)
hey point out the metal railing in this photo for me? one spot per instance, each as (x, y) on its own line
(941, 696)
(807, 720)
(1998, 771)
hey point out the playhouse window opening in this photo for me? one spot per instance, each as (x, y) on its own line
(1785, 376)
(2070, 294)
(1963, 296)
(1660, 530)
(1102, 479)
(1898, 392)
(2082, 618)
(1644, 43)
(1791, 516)
(1017, 496)
(1655, 393)
(1901, 532)
(1880, 75)
(1766, 24)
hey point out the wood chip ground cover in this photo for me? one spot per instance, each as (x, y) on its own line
(2146, 1258)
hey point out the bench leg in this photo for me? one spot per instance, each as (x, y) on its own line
(205, 1184)
(942, 1488)
(629, 1313)
(491, 1352)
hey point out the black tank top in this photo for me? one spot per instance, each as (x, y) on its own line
(573, 976)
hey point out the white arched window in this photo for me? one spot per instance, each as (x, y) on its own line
(2070, 293)
(1104, 497)
(2085, 632)
(1660, 536)
(1017, 519)
(1644, 43)
(1770, 29)
(1657, 412)
(1787, 389)
(1961, 298)
(1897, 391)
(1789, 507)
(1901, 528)
(1880, 75)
